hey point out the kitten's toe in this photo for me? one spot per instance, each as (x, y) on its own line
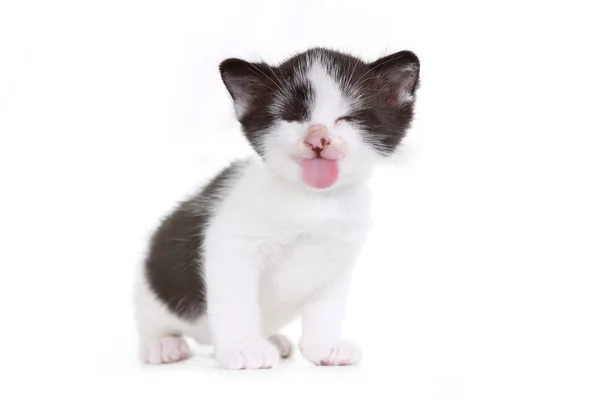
(331, 353)
(283, 344)
(165, 350)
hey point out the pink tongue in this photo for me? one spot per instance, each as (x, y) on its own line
(319, 172)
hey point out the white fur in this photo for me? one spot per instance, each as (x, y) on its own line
(277, 249)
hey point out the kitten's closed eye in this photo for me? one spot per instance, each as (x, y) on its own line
(347, 118)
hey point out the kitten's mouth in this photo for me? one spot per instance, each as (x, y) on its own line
(321, 152)
(319, 172)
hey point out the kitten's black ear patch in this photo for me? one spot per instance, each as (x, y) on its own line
(245, 81)
(399, 75)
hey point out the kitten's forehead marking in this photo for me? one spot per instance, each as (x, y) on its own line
(330, 102)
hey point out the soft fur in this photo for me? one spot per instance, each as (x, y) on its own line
(257, 246)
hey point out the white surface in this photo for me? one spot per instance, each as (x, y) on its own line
(481, 277)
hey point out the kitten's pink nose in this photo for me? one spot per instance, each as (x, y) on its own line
(318, 137)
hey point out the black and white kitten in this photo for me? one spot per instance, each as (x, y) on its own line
(275, 237)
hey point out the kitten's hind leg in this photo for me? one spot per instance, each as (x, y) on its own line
(159, 331)
(283, 343)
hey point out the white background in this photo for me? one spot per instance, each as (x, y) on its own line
(480, 281)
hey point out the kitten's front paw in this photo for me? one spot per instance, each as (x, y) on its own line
(254, 354)
(331, 353)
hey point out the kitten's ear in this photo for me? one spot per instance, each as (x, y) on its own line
(244, 81)
(399, 74)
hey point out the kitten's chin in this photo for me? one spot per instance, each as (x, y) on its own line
(320, 173)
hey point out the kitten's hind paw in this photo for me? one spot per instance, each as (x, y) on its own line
(283, 343)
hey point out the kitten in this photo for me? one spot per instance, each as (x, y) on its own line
(275, 237)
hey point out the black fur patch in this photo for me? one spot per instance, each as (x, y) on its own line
(297, 104)
(174, 262)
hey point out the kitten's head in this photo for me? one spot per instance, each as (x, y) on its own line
(322, 118)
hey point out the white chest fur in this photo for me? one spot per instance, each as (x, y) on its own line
(300, 260)
(297, 242)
